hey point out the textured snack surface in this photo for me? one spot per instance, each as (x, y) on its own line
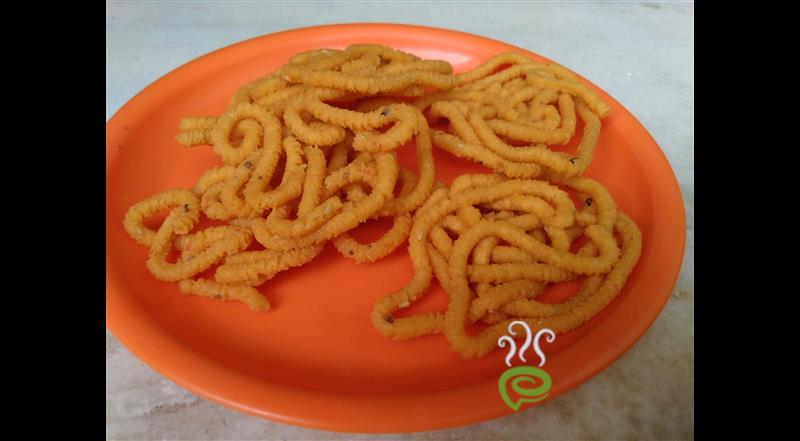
(309, 152)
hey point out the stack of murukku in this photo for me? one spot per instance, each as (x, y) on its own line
(509, 119)
(494, 244)
(309, 153)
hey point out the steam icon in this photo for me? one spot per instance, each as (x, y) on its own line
(530, 384)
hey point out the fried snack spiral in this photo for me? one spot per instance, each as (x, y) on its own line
(309, 152)
(507, 119)
(245, 294)
(182, 219)
(527, 262)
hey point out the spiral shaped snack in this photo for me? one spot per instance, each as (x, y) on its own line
(310, 151)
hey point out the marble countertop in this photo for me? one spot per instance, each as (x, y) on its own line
(640, 53)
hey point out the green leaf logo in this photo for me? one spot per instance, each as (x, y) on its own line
(519, 377)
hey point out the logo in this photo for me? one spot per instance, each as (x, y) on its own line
(530, 384)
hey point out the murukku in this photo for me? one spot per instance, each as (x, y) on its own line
(230, 194)
(506, 272)
(211, 203)
(369, 85)
(457, 312)
(263, 265)
(496, 297)
(219, 291)
(277, 223)
(509, 254)
(186, 206)
(350, 216)
(565, 264)
(313, 133)
(315, 178)
(256, 191)
(254, 138)
(491, 112)
(309, 153)
(406, 124)
(438, 206)
(410, 200)
(385, 245)
(192, 245)
(236, 240)
(478, 153)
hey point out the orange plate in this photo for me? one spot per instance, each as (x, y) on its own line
(314, 360)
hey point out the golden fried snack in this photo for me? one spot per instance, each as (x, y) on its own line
(220, 291)
(186, 210)
(254, 138)
(315, 178)
(232, 187)
(196, 131)
(494, 298)
(277, 223)
(257, 192)
(364, 83)
(477, 346)
(412, 199)
(236, 240)
(437, 207)
(506, 272)
(191, 245)
(348, 218)
(309, 152)
(478, 153)
(378, 249)
(263, 265)
(311, 133)
(507, 119)
(212, 205)
(392, 239)
(441, 204)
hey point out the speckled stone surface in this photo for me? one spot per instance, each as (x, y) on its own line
(640, 53)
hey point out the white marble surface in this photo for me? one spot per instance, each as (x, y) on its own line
(641, 53)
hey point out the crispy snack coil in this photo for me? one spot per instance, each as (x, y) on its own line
(513, 237)
(309, 152)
